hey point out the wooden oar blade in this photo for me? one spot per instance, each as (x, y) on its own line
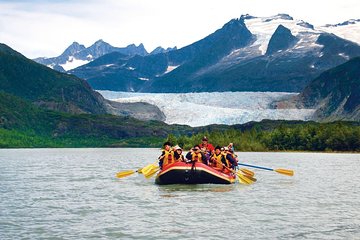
(124, 173)
(284, 171)
(247, 172)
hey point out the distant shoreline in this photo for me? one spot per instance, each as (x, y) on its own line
(185, 151)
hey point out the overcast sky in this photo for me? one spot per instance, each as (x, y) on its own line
(46, 27)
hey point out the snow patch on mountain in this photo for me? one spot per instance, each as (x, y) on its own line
(344, 56)
(72, 63)
(170, 68)
(350, 32)
(200, 109)
(264, 29)
(51, 65)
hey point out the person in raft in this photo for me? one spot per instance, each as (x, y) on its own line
(206, 145)
(232, 151)
(195, 155)
(230, 161)
(167, 155)
(231, 147)
(222, 160)
(206, 148)
(179, 157)
(217, 159)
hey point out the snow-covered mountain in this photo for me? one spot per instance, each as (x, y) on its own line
(276, 53)
(349, 30)
(264, 27)
(77, 55)
(299, 53)
(200, 109)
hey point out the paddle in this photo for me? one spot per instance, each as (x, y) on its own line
(145, 170)
(244, 179)
(247, 172)
(152, 172)
(249, 177)
(125, 173)
(279, 170)
(148, 169)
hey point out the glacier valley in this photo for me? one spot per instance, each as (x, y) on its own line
(205, 108)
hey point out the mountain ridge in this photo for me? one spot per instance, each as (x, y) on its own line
(53, 90)
(335, 94)
(250, 66)
(46, 87)
(82, 55)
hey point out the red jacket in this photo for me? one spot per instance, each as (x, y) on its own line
(208, 146)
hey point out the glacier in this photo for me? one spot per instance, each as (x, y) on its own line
(205, 108)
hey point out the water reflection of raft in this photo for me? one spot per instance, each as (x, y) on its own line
(192, 173)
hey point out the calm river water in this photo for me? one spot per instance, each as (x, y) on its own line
(73, 194)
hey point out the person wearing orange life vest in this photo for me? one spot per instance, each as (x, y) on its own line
(167, 155)
(230, 161)
(195, 155)
(217, 160)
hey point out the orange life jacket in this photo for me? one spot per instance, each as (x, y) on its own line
(216, 161)
(196, 157)
(168, 157)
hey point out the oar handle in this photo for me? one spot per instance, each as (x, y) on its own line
(264, 168)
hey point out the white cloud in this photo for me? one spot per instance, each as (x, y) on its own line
(46, 28)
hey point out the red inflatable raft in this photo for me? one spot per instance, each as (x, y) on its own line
(192, 173)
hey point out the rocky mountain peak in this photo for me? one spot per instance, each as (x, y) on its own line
(162, 50)
(234, 26)
(282, 39)
(305, 24)
(282, 16)
(141, 47)
(346, 23)
(74, 48)
(136, 50)
(234, 22)
(246, 16)
(100, 43)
